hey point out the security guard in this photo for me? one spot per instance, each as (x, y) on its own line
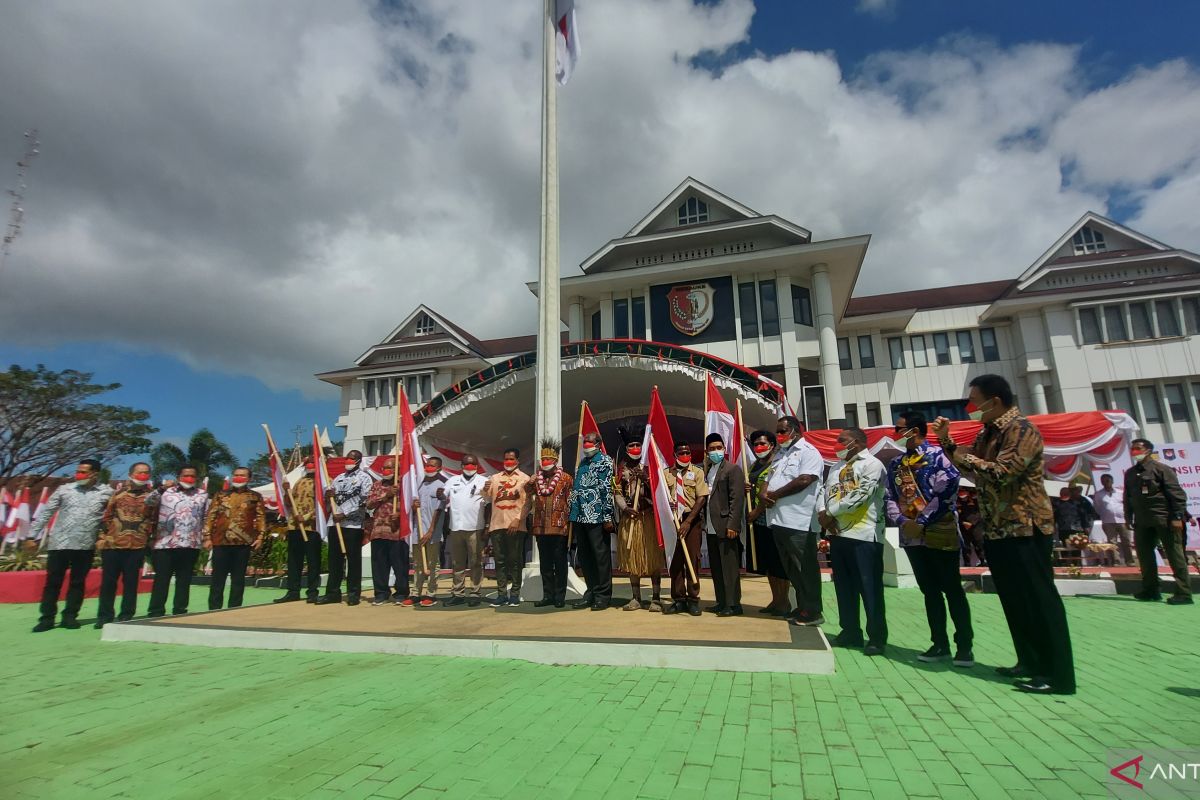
(1156, 507)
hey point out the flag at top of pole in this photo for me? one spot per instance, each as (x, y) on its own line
(566, 40)
(412, 467)
(320, 484)
(718, 419)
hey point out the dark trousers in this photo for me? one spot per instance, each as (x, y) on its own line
(683, 588)
(509, 551)
(228, 561)
(798, 552)
(178, 563)
(552, 553)
(1145, 539)
(347, 565)
(389, 556)
(1032, 607)
(595, 556)
(299, 554)
(858, 574)
(937, 576)
(725, 565)
(58, 562)
(126, 565)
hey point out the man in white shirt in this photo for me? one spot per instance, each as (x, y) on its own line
(1110, 505)
(854, 513)
(790, 495)
(465, 495)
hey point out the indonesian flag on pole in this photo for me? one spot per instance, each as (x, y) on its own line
(587, 424)
(320, 485)
(566, 40)
(412, 467)
(717, 419)
(16, 527)
(276, 475)
(658, 438)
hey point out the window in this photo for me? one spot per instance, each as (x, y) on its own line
(596, 325)
(801, 305)
(368, 397)
(815, 416)
(1139, 319)
(896, 352)
(1175, 402)
(1191, 315)
(1087, 240)
(966, 347)
(941, 346)
(749, 308)
(866, 352)
(412, 388)
(425, 326)
(1168, 320)
(1101, 400)
(693, 211)
(639, 318)
(1123, 400)
(621, 319)
(1114, 324)
(770, 308)
(874, 417)
(426, 388)
(1196, 396)
(851, 412)
(385, 392)
(377, 445)
(1089, 326)
(1150, 404)
(987, 337)
(844, 354)
(920, 357)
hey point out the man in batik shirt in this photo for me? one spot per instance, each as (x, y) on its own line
(126, 530)
(508, 493)
(551, 495)
(177, 542)
(592, 520)
(301, 551)
(235, 525)
(922, 493)
(1006, 463)
(389, 550)
(348, 498)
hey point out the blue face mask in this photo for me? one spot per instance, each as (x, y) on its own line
(716, 456)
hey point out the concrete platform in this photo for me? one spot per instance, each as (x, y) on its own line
(751, 643)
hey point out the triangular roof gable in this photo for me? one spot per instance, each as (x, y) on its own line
(465, 339)
(1095, 221)
(690, 186)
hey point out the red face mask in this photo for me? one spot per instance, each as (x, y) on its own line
(635, 452)
(82, 476)
(685, 458)
(471, 471)
(189, 481)
(387, 473)
(548, 463)
(431, 470)
(510, 463)
(760, 449)
(141, 476)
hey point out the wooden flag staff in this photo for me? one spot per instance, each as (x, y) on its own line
(283, 482)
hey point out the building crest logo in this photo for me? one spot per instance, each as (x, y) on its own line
(691, 307)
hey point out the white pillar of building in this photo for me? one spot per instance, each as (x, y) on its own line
(575, 319)
(1037, 393)
(831, 371)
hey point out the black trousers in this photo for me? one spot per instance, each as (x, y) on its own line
(299, 554)
(725, 566)
(798, 552)
(178, 563)
(126, 565)
(552, 553)
(1145, 538)
(228, 561)
(58, 562)
(389, 556)
(938, 577)
(858, 574)
(595, 556)
(346, 565)
(1033, 608)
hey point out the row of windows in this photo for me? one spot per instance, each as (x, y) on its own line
(760, 309)
(378, 445)
(874, 415)
(1146, 404)
(621, 319)
(382, 392)
(1142, 319)
(964, 343)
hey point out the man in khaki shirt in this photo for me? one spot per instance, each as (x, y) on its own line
(689, 494)
(508, 493)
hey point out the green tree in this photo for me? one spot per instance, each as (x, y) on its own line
(205, 452)
(47, 422)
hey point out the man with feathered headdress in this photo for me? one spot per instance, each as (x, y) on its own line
(550, 492)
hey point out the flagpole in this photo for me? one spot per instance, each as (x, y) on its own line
(320, 456)
(283, 482)
(549, 378)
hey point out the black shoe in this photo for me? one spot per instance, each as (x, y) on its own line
(587, 603)
(1180, 600)
(155, 614)
(99, 625)
(454, 601)
(43, 626)
(352, 600)
(1015, 671)
(560, 603)
(1035, 686)
(732, 611)
(70, 623)
(312, 598)
(378, 601)
(939, 652)
(514, 600)
(124, 617)
(1147, 597)
(287, 598)
(693, 608)
(472, 602)
(543, 603)
(873, 649)
(600, 607)
(328, 599)
(842, 640)
(716, 609)
(806, 621)
(964, 658)
(674, 608)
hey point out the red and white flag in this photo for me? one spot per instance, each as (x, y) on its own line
(566, 41)
(718, 419)
(657, 439)
(277, 475)
(321, 483)
(587, 424)
(412, 468)
(16, 526)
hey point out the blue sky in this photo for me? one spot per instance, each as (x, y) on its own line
(262, 238)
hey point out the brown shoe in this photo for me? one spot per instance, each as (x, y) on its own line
(632, 605)
(655, 606)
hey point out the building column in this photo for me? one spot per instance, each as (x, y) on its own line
(831, 371)
(1037, 393)
(575, 320)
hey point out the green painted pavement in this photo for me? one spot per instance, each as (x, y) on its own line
(92, 720)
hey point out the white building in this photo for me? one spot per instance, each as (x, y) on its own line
(1106, 318)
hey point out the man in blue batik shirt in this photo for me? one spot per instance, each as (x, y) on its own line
(922, 494)
(591, 506)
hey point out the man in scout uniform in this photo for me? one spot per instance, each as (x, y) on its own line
(125, 532)
(550, 494)
(235, 524)
(1156, 506)
(922, 494)
(688, 492)
(508, 493)
(299, 551)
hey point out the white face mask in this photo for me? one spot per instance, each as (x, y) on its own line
(136, 482)
(842, 453)
(902, 442)
(351, 466)
(589, 451)
(1140, 457)
(470, 472)
(238, 484)
(979, 411)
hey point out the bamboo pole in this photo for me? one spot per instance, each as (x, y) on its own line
(687, 557)
(282, 480)
(319, 454)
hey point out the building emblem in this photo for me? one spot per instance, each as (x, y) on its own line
(691, 307)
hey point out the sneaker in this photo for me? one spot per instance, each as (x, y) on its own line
(352, 600)
(472, 602)
(98, 625)
(312, 598)
(42, 627)
(426, 602)
(379, 601)
(806, 620)
(1180, 600)
(124, 617)
(499, 601)
(406, 602)
(936, 653)
(514, 600)
(454, 601)
(964, 658)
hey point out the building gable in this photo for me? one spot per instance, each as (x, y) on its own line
(691, 203)
(1092, 240)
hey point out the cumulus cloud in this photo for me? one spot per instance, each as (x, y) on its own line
(877, 7)
(266, 189)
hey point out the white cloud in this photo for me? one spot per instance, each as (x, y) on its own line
(267, 189)
(877, 7)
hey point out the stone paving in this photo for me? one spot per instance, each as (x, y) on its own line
(89, 719)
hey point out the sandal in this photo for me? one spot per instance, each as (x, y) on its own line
(632, 605)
